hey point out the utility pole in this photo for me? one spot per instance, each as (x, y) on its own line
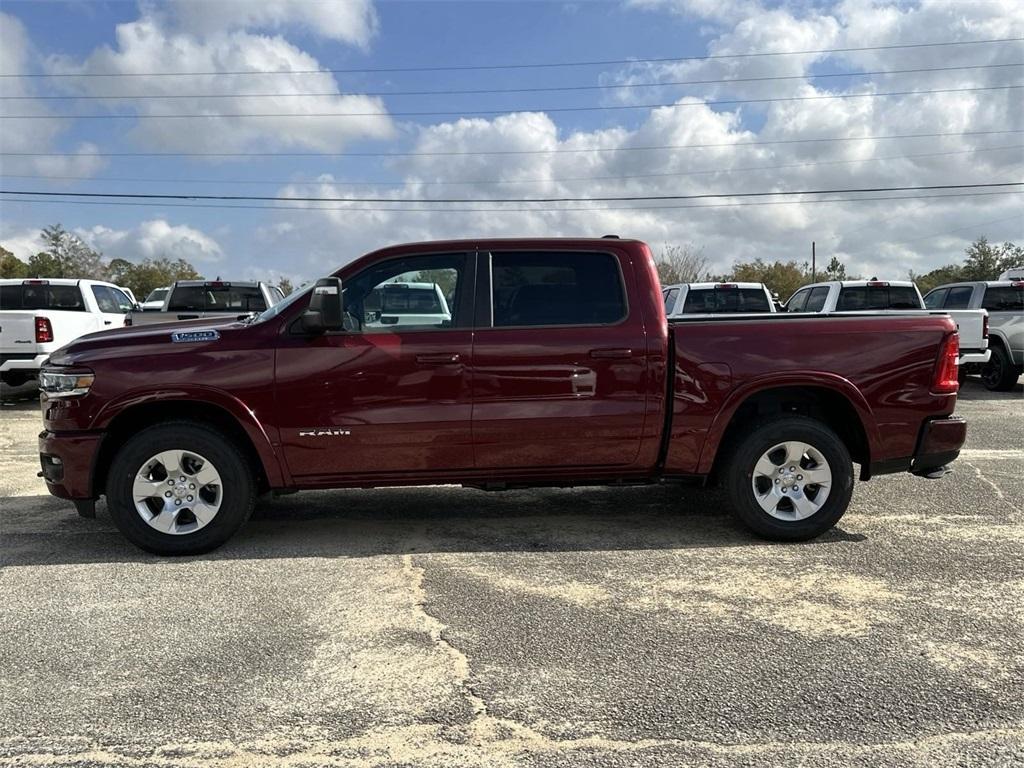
(814, 266)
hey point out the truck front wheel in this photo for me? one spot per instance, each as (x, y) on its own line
(179, 488)
(790, 479)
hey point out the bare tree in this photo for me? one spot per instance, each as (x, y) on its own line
(682, 264)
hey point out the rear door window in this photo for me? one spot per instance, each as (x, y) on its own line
(1004, 298)
(958, 297)
(816, 299)
(670, 300)
(556, 288)
(721, 300)
(65, 298)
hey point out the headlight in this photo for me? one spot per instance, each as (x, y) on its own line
(59, 384)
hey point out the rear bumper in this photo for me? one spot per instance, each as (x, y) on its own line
(938, 444)
(975, 356)
(22, 362)
(67, 462)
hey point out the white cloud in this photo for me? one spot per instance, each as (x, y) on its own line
(34, 135)
(152, 239)
(23, 243)
(349, 21)
(151, 45)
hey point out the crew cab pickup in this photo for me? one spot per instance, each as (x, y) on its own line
(40, 316)
(1004, 302)
(716, 298)
(194, 299)
(556, 367)
(879, 296)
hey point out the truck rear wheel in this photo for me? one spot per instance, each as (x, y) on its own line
(999, 373)
(790, 479)
(179, 488)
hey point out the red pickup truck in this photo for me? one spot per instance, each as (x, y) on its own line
(547, 363)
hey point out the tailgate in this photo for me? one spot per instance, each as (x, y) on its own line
(970, 324)
(18, 333)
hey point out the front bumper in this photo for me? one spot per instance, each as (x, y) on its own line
(68, 461)
(938, 444)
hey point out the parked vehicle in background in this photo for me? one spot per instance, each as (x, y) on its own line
(1004, 302)
(901, 296)
(40, 316)
(196, 299)
(1012, 274)
(554, 367)
(155, 301)
(405, 304)
(128, 292)
(716, 298)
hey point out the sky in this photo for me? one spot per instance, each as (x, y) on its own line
(247, 125)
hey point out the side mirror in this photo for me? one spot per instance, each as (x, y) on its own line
(325, 311)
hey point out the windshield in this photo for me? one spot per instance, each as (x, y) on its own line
(277, 309)
(158, 295)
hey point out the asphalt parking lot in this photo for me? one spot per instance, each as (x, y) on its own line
(448, 627)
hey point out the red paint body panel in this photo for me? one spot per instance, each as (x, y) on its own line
(542, 405)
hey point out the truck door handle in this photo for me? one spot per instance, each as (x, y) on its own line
(107, 322)
(611, 354)
(442, 358)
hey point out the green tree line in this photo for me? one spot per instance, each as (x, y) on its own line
(66, 255)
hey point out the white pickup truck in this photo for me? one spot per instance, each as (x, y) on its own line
(1004, 301)
(880, 295)
(716, 298)
(38, 317)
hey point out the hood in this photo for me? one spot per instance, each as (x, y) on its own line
(147, 339)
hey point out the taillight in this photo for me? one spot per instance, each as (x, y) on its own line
(984, 326)
(947, 367)
(44, 331)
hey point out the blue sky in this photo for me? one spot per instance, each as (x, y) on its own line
(56, 38)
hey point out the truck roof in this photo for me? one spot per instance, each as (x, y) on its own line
(53, 281)
(708, 286)
(241, 283)
(860, 283)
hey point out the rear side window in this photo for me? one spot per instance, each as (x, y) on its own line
(66, 298)
(670, 300)
(556, 288)
(215, 298)
(1004, 299)
(716, 300)
(959, 297)
(874, 297)
(816, 299)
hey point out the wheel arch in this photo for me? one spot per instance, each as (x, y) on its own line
(828, 398)
(120, 421)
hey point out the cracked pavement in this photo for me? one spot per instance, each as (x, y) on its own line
(448, 627)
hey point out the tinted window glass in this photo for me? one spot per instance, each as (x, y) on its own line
(158, 295)
(958, 297)
(816, 299)
(66, 298)
(797, 301)
(874, 297)
(213, 298)
(670, 300)
(1004, 299)
(934, 299)
(110, 300)
(705, 300)
(556, 289)
(418, 293)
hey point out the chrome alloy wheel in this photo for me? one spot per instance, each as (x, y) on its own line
(791, 480)
(177, 492)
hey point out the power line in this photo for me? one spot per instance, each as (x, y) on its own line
(483, 91)
(471, 182)
(563, 151)
(610, 199)
(460, 113)
(542, 65)
(435, 211)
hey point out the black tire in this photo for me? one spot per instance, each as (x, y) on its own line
(999, 374)
(238, 487)
(739, 477)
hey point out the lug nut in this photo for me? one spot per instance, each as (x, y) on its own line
(792, 469)
(168, 494)
(784, 489)
(177, 502)
(191, 486)
(171, 482)
(190, 498)
(776, 481)
(183, 478)
(799, 477)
